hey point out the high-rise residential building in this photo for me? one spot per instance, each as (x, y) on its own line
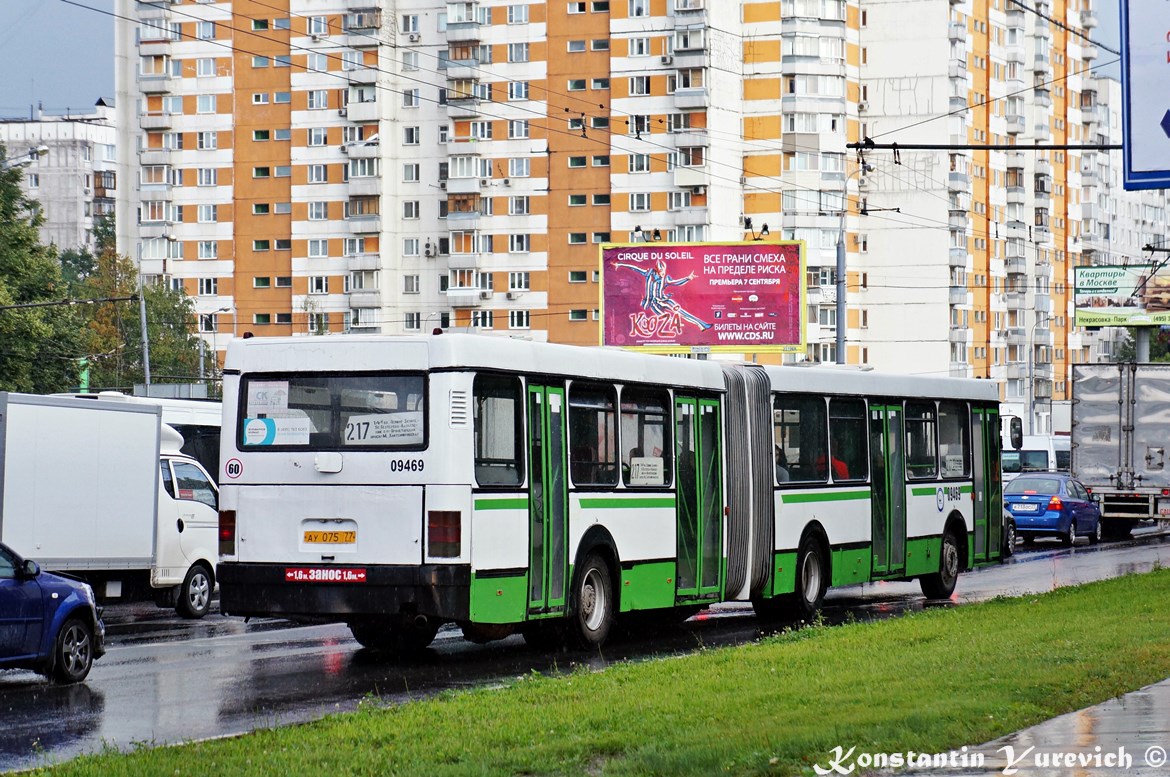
(73, 174)
(304, 166)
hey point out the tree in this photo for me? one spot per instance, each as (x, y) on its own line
(1159, 347)
(114, 329)
(39, 346)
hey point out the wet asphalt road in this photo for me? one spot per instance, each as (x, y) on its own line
(166, 680)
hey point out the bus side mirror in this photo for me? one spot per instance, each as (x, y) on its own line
(1016, 432)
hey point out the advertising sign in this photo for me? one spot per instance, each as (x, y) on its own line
(700, 297)
(1121, 296)
(1145, 71)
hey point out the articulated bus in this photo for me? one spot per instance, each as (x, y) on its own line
(396, 483)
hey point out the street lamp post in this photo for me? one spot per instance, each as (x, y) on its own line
(840, 341)
(26, 159)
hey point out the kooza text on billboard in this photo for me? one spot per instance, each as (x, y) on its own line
(722, 296)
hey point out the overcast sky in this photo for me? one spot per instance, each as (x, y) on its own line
(82, 41)
(55, 53)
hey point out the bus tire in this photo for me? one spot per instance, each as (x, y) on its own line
(941, 584)
(593, 603)
(195, 594)
(388, 634)
(812, 578)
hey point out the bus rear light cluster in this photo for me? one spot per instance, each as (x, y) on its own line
(444, 535)
(227, 532)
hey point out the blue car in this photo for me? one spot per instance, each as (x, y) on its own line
(1052, 504)
(48, 623)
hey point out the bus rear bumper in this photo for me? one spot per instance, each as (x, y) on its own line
(339, 593)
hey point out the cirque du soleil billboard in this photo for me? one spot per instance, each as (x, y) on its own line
(695, 297)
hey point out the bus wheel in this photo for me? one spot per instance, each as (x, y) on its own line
(403, 637)
(195, 595)
(941, 584)
(593, 602)
(811, 578)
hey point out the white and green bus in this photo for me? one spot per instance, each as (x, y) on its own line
(399, 483)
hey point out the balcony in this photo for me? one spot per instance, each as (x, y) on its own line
(958, 258)
(958, 182)
(958, 220)
(1015, 124)
(1042, 131)
(1043, 167)
(957, 69)
(154, 9)
(1016, 336)
(464, 298)
(1042, 303)
(957, 103)
(462, 107)
(463, 69)
(154, 156)
(1016, 229)
(692, 138)
(365, 225)
(690, 59)
(1015, 17)
(1090, 211)
(691, 98)
(362, 75)
(959, 335)
(156, 121)
(464, 220)
(465, 261)
(1042, 63)
(957, 32)
(1014, 54)
(157, 84)
(360, 150)
(1015, 265)
(1015, 300)
(156, 228)
(1042, 97)
(356, 262)
(1017, 371)
(1089, 179)
(463, 32)
(958, 295)
(690, 177)
(465, 185)
(1088, 19)
(1015, 195)
(1090, 51)
(157, 191)
(365, 298)
(365, 186)
(362, 112)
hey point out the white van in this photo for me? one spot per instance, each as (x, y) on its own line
(1039, 453)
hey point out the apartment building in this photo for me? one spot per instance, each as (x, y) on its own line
(73, 175)
(303, 166)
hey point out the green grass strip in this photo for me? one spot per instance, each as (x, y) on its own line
(945, 678)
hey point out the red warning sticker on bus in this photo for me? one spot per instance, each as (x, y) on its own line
(324, 575)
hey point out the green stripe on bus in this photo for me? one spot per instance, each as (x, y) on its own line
(932, 490)
(626, 503)
(824, 496)
(511, 503)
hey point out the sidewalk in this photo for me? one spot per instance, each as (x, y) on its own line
(1129, 735)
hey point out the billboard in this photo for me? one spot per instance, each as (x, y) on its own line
(1121, 296)
(1145, 112)
(704, 297)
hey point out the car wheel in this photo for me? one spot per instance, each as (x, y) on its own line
(195, 595)
(593, 603)
(1097, 534)
(1009, 539)
(941, 584)
(73, 653)
(1069, 538)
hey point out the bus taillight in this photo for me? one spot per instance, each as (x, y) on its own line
(443, 533)
(227, 532)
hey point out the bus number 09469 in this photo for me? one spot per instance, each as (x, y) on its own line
(406, 465)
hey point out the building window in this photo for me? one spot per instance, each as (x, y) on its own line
(261, 245)
(576, 276)
(208, 249)
(576, 84)
(205, 30)
(206, 141)
(576, 46)
(517, 52)
(318, 174)
(519, 244)
(410, 284)
(318, 248)
(262, 319)
(518, 14)
(410, 136)
(319, 284)
(639, 202)
(410, 172)
(318, 99)
(410, 98)
(318, 211)
(208, 287)
(578, 314)
(518, 319)
(205, 103)
(518, 128)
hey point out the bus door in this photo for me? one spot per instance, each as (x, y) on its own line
(548, 500)
(987, 501)
(698, 497)
(888, 499)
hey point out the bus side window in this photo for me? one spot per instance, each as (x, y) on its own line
(799, 426)
(848, 439)
(921, 440)
(499, 431)
(645, 437)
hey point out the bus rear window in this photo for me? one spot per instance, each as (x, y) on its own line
(333, 412)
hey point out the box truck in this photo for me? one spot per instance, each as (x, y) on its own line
(100, 490)
(1120, 435)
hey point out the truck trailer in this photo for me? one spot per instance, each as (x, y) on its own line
(1120, 435)
(100, 490)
